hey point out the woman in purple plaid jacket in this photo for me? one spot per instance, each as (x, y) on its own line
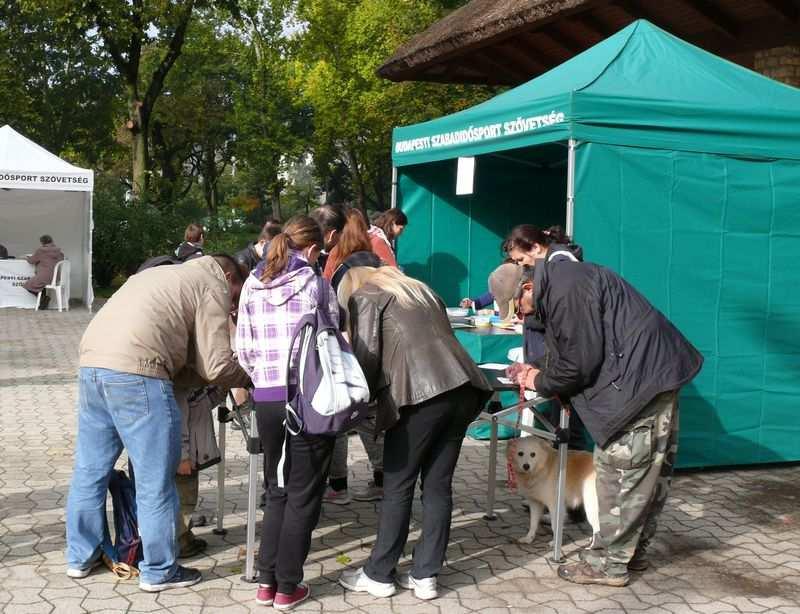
(278, 293)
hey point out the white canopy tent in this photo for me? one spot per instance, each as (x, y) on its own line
(42, 194)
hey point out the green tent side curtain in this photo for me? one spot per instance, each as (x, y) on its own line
(641, 87)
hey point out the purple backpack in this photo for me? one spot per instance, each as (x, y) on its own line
(332, 393)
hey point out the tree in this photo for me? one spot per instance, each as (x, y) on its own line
(354, 110)
(193, 128)
(127, 28)
(55, 87)
(273, 124)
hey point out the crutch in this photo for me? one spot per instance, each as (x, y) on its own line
(223, 417)
(254, 450)
(249, 429)
(562, 438)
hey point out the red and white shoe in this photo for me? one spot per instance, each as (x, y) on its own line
(284, 601)
(265, 594)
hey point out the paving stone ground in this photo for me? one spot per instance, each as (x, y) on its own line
(729, 541)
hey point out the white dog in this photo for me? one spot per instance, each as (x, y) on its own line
(535, 463)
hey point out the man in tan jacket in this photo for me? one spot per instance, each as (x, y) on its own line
(166, 324)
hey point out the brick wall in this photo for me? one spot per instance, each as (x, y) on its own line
(780, 63)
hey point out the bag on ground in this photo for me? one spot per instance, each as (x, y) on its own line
(127, 550)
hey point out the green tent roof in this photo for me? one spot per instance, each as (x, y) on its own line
(640, 87)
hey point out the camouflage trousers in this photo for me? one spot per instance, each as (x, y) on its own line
(634, 472)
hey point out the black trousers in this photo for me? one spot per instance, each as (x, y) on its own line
(426, 440)
(292, 511)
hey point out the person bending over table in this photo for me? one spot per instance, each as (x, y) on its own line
(275, 297)
(525, 244)
(166, 323)
(621, 364)
(353, 249)
(45, 258)
(428, 391)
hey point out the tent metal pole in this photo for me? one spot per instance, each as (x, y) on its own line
(88, 295)
(254, 486)
(570, 187)
(394, 188)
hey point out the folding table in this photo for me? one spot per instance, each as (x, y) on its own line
(496, 414)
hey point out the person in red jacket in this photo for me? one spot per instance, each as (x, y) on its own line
(384, 231)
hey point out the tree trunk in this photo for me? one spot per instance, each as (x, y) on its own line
(210, 177)
(138, 125)
(361, 197)
(274, 191)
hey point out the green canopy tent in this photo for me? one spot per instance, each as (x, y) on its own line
(672, 166)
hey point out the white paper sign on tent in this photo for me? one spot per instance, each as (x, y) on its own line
(465, 177)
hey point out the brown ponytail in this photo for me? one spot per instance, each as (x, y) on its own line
(299, 233)
(354, 235)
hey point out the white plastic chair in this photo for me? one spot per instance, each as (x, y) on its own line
(59, 284)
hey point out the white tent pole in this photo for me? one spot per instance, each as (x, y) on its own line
(394, 187)
(570, 222)
(89, 295)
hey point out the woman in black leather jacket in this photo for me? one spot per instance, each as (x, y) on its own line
(428, 391)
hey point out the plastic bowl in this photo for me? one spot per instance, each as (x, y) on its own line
(482, 321)
(457, 312)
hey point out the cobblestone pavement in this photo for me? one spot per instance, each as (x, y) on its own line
(729, 541)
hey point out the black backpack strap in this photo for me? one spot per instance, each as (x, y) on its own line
(339, 274)
(322, 296)
(296, 424)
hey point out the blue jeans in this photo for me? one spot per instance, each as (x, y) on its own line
(117, 410)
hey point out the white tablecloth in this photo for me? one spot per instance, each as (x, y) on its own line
(14, 273)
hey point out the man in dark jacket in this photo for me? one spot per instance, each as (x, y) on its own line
(254, 252)
(192, 247)
(620, 363)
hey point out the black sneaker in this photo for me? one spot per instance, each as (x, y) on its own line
(183, 577)
(639, 561)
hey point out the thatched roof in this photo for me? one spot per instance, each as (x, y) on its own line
(511, 41)
(474, 23)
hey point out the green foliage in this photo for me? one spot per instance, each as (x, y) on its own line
(193, 125)
(126, 234)
(344, 43)
(273, 124)
(236, 110)
(55, 88)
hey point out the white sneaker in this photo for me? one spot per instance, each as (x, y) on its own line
(370, 493)
(337, 497)
(74, 572)
(423, 589)
(359, 582)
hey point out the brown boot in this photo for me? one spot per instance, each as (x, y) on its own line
(583, 573)
(192, 548)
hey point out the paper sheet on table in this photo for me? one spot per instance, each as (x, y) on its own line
(493, 366)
